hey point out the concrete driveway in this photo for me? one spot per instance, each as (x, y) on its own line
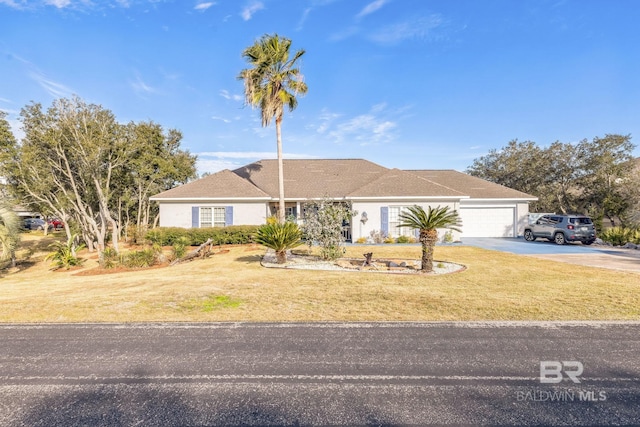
(574, 253)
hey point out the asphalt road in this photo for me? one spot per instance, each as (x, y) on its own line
(319, 374)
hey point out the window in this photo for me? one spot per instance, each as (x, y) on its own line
(290, 212)
(205, 217)
(212, 217)
(218, 217)
(394, 221)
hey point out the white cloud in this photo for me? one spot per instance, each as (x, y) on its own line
(422, 28)
(215, 161)
(140, 87)
(379, 107)
(10, 3)
(221, 119)
(214, 165)
(204, 6)
(249, 10)
(371, 7)
(303, 19)
(226, 95)
(378, 126)
(326, 119)
(55, 89)
(344, 34)
(60, 4)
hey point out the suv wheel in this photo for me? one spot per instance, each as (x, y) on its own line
(559, 239)
(528, 236)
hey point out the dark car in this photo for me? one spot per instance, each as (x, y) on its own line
(562, 229)
(36, 224)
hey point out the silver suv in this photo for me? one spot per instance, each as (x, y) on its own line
(562, 229)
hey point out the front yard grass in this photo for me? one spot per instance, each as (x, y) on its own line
(232, 286)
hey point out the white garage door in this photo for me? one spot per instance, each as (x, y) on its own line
(487, 222)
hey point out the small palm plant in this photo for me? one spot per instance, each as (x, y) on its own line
(428, 222)
(280, 237)
(64, 254)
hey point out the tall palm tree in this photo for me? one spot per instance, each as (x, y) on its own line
(428, 222)
(9, 232)
(271, 83)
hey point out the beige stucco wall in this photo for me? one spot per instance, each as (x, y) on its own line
(179, 214)
(372, 208)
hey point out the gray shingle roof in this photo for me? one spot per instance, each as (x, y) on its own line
(337, 178)
(476, 188)
(400, 183)
(223, 184)
(304, 179)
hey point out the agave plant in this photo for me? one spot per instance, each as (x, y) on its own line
(428, 222)
(280, 238)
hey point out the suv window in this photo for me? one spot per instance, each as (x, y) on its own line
(555, 219)
(543, 220)
(580, 221)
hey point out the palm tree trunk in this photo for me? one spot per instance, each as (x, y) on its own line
(280, 171)
(281, 257)
(428, 239)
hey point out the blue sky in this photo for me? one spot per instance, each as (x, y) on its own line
(412, 84)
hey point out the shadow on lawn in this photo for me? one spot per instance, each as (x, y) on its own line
(250, 259)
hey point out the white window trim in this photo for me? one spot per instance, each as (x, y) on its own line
(212, 216)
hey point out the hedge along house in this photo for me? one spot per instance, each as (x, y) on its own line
(248, 195)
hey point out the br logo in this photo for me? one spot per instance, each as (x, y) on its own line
(552, 371)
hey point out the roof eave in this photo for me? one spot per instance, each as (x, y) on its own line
(187, 199)
(505, 199)
(406, 197)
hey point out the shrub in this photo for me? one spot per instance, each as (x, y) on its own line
(110, 258)
(231, 235)
(179, 248)
(377, 236)
(448, 237)
(139, 259)
(361, 240)
(406, 239)
(64, 254)
(617, 236)
(323, 225)
(280, 238)
(389, 239)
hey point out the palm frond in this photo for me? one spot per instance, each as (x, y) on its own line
(439, 217)
(273, 81)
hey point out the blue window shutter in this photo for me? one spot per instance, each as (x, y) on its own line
(195, 216)
(417, 233)
(384, 220)
(228, 215)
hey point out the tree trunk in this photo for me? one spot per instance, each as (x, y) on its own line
(281, 257)
(202, 251)
(428, 239)
(281, 208)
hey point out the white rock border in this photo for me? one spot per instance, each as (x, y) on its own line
(309, 262)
